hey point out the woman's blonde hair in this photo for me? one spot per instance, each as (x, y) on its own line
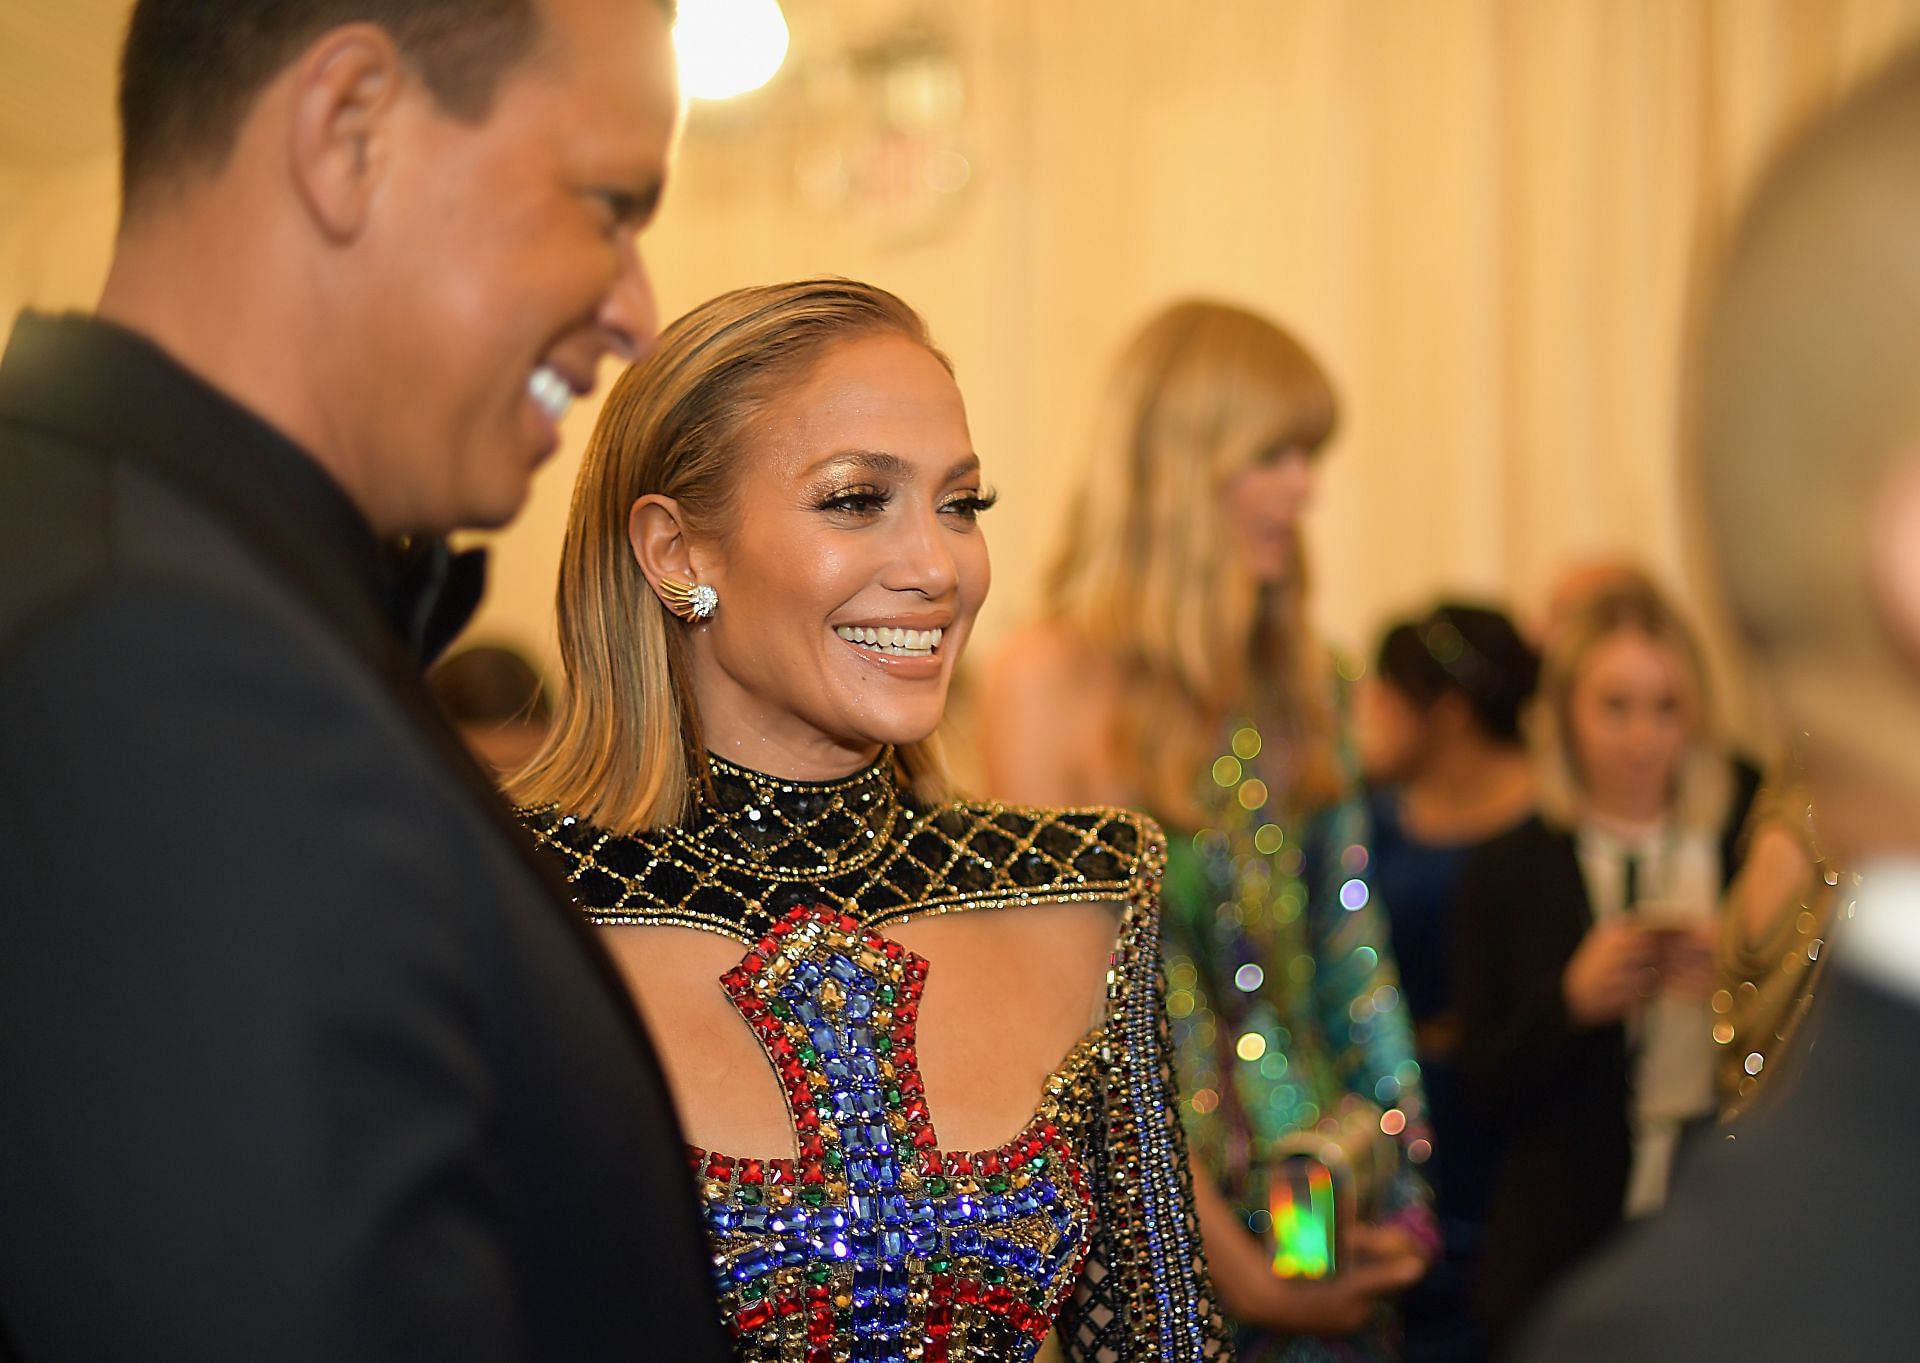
(1703, 789)
(626, 744)
(1147, 577)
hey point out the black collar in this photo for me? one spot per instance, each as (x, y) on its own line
(796, 828)
(98, 384)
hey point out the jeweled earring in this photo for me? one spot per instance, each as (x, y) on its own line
(690, 600)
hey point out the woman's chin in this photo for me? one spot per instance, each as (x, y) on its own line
(890, 732)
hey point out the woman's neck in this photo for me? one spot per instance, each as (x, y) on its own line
(1467, 796)
(1627, 819)
(816, 759)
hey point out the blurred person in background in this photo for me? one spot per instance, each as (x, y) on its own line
(1438, 728)
(1578, 582)
(1173, 670)
(497, 699)
(1584, 955)
(1793, 1238)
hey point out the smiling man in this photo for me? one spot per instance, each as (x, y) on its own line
(302, 1055)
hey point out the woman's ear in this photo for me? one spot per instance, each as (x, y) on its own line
(658, 536)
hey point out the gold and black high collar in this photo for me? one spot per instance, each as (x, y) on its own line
(756, 845)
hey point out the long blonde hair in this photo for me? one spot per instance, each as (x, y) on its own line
(626, 745)
(1703, 787)
(1146, 577)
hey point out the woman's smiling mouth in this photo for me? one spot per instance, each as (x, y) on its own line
(892, 642)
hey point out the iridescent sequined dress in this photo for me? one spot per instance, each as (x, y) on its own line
(1286, 1006)
(876, 1242)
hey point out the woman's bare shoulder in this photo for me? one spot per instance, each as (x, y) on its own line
(1046, 717)
(1042, 655)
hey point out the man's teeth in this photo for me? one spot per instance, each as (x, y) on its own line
(550, 393)
(912, 643)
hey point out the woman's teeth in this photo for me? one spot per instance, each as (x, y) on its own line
(909, 643)
(552, 394)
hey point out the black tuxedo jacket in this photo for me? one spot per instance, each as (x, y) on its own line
(1791, 1237)
(302, 1057)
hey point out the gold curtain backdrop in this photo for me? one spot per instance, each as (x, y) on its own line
(1484, 214)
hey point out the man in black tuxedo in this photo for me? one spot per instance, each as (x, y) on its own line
(301, 1055)
(1790, 1236)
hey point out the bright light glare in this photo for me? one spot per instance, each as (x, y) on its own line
(728, 47)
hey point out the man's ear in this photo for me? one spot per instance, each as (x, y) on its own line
(341, 104)
(661, 546)
(1894, 554)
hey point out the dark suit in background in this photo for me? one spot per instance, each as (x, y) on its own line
(301, 1055)
(1791, 1237)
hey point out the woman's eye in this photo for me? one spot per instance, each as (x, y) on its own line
(856, 501)
(969, 505)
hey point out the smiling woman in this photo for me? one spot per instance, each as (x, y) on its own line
(772, 566)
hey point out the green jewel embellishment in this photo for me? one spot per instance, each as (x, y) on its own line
(936, 1186)
(749, 1195)
(996, 1275)
(886, 994)
(820, 1273)
(835, 1160)
(814, 1196)
(1037, 1163)
(940, 1263)
(997, 1184)
(809, 1055)
(752, 1291)
(883, 1044)
(893, 1097)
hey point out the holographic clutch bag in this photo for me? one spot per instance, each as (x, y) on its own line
(1361, 1157)
(1300, 1200)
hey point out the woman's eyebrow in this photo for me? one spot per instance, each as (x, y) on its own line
(874, 461)
(879, 461)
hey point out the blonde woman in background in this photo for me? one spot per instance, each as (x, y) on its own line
(1584, 957)
(1173, 670)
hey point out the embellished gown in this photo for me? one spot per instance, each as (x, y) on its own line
(876, 1241)
(1287, 1011)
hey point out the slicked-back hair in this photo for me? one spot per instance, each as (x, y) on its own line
(191, 69)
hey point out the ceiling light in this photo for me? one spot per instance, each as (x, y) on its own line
(728, 47)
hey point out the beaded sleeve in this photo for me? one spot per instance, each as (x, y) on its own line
(1145, 1292)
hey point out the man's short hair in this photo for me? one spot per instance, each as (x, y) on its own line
(193, 68)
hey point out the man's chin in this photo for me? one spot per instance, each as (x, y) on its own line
(495, 508)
